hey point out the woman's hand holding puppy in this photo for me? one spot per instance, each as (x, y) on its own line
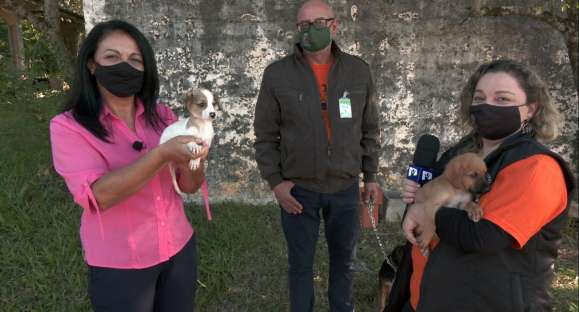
(418, 226)
(176, 149)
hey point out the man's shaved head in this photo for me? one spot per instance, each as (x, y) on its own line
(313, 9)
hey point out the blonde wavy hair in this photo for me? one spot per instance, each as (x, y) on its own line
(544, 124)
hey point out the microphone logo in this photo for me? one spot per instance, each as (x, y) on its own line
(419, 174)
(412, 172)
(426, 176)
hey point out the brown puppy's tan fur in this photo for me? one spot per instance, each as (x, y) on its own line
(463, 175)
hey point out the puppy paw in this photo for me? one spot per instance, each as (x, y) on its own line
(194, 164)
(191, 146)
(196, 149)
(474, 211)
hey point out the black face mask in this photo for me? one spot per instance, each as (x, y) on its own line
(494, 122)
(121, 79)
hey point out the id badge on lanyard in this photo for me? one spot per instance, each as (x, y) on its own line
(345, 106)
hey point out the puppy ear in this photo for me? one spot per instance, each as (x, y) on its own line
(453, 172)
(188, 100)
(198, 97)
(475, 164)
(185, 100)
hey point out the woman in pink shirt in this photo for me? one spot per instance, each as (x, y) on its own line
(138, 244)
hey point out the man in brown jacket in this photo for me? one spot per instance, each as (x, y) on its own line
(316, 128)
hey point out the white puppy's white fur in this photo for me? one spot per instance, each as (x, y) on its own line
(200, 104)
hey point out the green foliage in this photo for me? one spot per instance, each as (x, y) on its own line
(39, 59)
(561, 5)
(17, 87)
(72, 5)
(4, 41)
(569, 4)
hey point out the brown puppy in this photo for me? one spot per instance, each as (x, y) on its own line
(463, 178)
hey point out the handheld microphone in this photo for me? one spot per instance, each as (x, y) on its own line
(420, 171)
(138, 145)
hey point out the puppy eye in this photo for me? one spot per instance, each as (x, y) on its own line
(473, 175)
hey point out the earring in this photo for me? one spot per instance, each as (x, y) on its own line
(526, 126)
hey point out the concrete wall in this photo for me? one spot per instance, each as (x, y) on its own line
(421, 52)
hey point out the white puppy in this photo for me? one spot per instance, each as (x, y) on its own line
(201, 105)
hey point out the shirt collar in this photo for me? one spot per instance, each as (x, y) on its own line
(107, 113)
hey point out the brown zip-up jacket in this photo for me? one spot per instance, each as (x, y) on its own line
(291, 142)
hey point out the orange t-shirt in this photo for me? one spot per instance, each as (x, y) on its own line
(525, 196)
(321, 72)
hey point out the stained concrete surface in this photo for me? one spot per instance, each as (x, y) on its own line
(421, 53)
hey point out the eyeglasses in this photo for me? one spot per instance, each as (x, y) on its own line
(318, 23)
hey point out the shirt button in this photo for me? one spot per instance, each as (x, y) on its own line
(158, 198)
(162, 223)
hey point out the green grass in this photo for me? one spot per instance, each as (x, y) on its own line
(242, 252)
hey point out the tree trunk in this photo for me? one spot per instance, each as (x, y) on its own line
(49, 25)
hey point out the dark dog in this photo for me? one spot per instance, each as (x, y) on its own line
(387, 274)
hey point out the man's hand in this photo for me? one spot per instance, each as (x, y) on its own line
(285, 198)
(371, 190)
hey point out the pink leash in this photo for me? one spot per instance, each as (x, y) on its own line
(205, 191)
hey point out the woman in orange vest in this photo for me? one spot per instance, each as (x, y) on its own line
(505, 261)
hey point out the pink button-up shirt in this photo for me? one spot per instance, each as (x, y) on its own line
(144, 229)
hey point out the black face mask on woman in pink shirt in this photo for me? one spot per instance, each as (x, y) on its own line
(121, 79)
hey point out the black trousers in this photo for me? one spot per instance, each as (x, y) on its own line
(340, 213)
(169, 286)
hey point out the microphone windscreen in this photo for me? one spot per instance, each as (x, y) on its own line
(426, 151)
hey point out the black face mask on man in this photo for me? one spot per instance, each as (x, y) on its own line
(121, 79)
(495, 122)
